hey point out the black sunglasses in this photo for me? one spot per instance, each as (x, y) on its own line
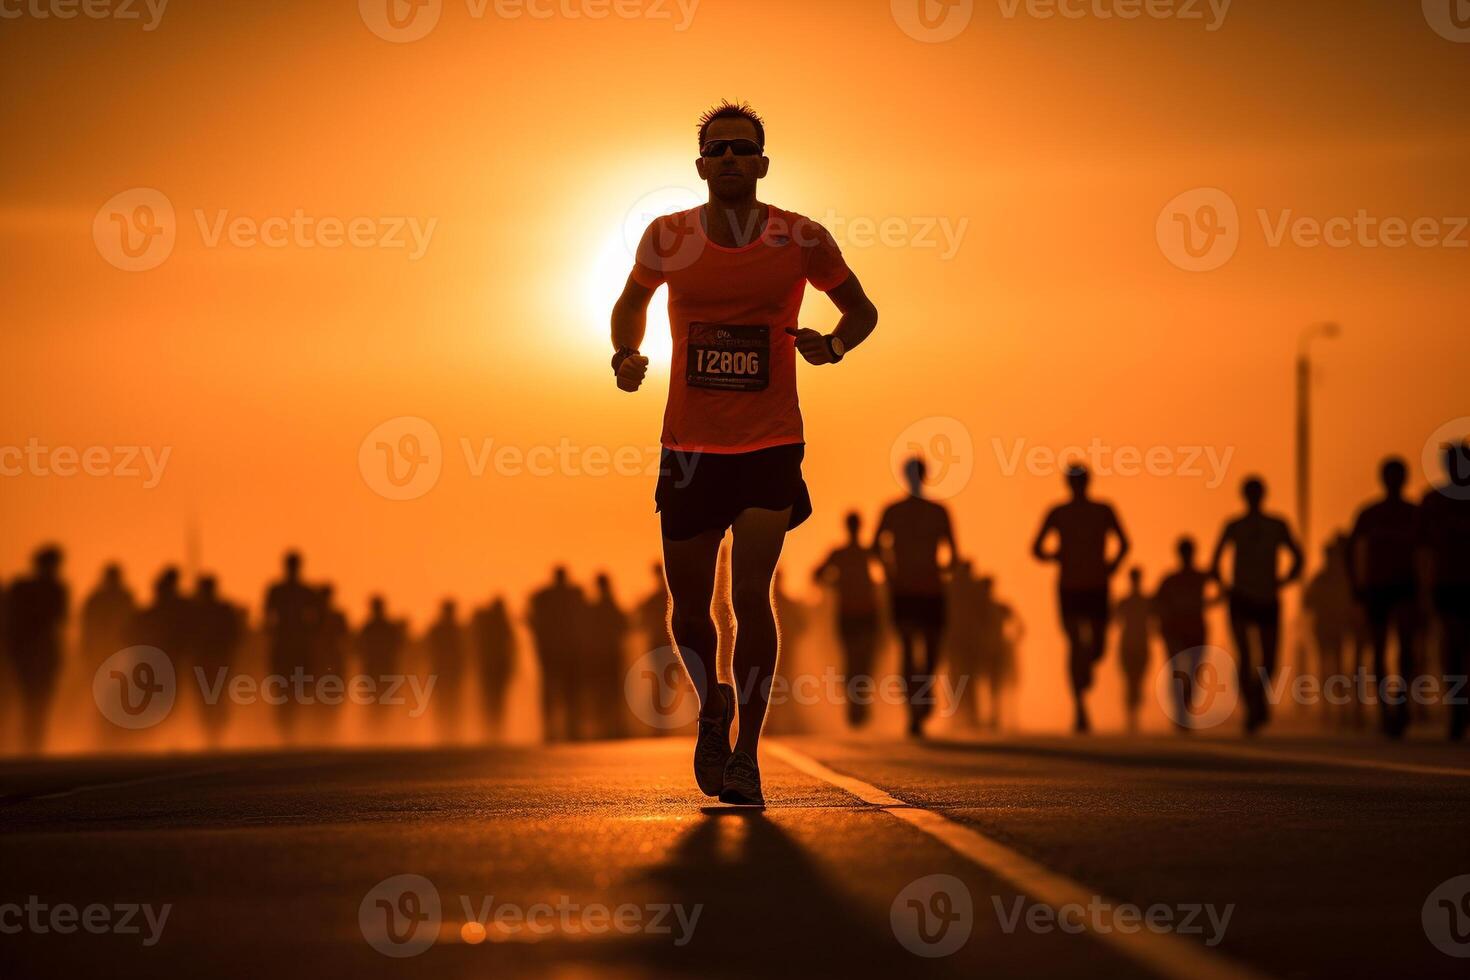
(741, 148)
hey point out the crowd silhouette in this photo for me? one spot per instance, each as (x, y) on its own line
(1389, 602)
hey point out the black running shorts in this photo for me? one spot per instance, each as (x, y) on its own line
(699, 492)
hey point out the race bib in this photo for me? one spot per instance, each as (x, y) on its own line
(728, 357)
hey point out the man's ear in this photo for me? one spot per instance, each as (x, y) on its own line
(765, 166)
(699, 164)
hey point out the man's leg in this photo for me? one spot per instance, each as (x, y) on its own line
(690, 568)
(933, 636)
(1079, 666)
(1378, 623)
(1270, 638)
(759, 535)
(1240, 630)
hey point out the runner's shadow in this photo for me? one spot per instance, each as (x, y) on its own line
(769, 909)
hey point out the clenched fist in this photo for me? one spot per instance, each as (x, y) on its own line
(632, 371)
(812, 344)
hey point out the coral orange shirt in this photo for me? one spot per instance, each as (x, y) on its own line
(732, 384)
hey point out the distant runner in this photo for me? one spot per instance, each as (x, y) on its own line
(1082, 527)
(733, 443)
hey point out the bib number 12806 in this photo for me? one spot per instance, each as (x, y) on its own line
(729, 357)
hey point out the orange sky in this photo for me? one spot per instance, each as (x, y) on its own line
(1045, 148)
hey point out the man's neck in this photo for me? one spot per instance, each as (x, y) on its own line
(734, 224)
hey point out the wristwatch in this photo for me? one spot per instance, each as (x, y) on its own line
(620, 355)
(836, 347)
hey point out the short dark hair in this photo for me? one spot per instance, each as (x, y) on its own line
(733, 110)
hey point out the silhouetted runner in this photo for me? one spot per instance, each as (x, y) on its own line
(601, 669)
(35, 613)
(1082, 527)
(292, 614)
(910, 535)
(1256, 540)
(1133, 642)
(555, 615)
(965, 640)
(736, 269)
(105, 615)
(1001, 631)
(218, 627)
(848, 570)
(495, 642)
(1179, 606)
(1444, 529)
(445, 641)
(1327, 599)
(380, 644)
(1380, 562)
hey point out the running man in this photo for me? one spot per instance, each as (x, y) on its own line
(1381, 553)
(1082, 527)
(909, 536)
(1179, 606)
(736, 269)
(849, 570)
(1444, 532)
(1255, 585)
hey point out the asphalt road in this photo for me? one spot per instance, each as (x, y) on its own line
(1059, 857)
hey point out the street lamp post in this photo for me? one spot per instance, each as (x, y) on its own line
(1304, 430)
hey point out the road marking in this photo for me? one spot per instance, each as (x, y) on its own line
(1166, 954)
(116, 784)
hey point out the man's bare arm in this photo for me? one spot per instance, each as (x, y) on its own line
(859, 317)
(629, 323)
